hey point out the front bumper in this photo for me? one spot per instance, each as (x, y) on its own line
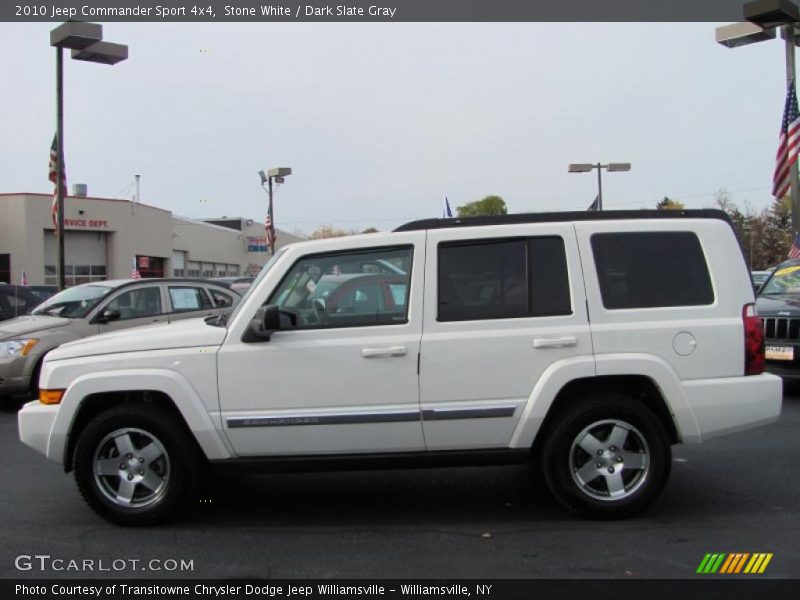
(15, 377)
(35, 421)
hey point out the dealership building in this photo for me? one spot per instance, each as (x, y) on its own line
(103, 237)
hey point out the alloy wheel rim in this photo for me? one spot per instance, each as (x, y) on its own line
(609, 460)
(131, 468)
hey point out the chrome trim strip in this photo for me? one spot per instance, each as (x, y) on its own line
(444, 414)
(434, 414)
(292, 420)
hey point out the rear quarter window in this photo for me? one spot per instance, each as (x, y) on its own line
(654, 269)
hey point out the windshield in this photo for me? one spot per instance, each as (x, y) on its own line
(263, 273)
(786, 280)
(73, 303)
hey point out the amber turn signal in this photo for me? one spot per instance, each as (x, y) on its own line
(51, 396)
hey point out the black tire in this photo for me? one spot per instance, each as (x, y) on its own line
(33, 387)
(163, 455)
(611, 481)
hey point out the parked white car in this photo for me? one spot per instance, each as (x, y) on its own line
(587, 342)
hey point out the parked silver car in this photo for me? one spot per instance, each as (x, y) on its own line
(99, 307)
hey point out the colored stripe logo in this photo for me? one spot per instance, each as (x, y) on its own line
(734, 563)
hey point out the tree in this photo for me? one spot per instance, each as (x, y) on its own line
(324, 232)
(670, 204)
(777, 237)
(765, 236)
(328, 231)
(490, 205)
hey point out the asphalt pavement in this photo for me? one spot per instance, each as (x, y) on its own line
(739, 493)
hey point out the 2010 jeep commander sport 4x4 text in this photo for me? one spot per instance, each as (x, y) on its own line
(586, 342)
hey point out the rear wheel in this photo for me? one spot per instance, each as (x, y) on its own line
(608, 456)
(136, 464)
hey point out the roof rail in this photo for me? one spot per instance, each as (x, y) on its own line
(556, 217)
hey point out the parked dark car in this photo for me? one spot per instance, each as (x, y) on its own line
(16, 301)
(778, 304)
(759, 277)
(43, 291)
(99, 307)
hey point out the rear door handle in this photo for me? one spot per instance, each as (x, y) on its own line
(559, 342)
(384, 352)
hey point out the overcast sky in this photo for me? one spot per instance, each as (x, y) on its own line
(381, 121)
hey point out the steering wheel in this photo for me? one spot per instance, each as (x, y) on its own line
(320, 312)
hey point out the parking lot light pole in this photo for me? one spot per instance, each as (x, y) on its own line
(85, 41)
(610, 167)
(762, 20)
(277, 175)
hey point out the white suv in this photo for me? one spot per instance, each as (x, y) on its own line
(585, 342)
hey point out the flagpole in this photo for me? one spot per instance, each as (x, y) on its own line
(60, 164)
(794, 190)
(599, 188)
(270, 235)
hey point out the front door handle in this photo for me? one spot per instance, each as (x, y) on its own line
(384, 352)
(559, 342)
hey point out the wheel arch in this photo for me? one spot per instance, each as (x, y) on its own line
(91, 394)
(94, 404)
(647, 378)
(638, 387)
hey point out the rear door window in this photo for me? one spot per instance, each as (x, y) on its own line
(185, 298)
(503, 279)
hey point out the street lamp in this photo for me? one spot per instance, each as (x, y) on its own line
(610, 167)
(277, 175)
(85, 41)
(763, 18)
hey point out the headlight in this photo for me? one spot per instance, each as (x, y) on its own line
(17, 347)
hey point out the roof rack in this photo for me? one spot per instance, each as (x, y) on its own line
(556, 217)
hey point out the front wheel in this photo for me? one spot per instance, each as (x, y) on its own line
(608, 456)
(135, 464)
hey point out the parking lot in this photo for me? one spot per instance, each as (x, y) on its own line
(734, 494)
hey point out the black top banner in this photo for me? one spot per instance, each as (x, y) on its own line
(387, 11)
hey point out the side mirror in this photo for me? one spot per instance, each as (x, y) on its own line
(108, 315)
(266, 322)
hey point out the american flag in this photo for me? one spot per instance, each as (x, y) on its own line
(794, 251)
(23, 277)
(53, 177)
(135, 271)
(271, 237)
(787, 145)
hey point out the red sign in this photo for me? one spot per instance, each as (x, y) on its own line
(90, 223)
(144, 262)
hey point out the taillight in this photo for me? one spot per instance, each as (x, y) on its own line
(753, 341)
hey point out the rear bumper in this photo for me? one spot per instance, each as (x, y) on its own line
(35, 421)
(784, 370)
(732, 404)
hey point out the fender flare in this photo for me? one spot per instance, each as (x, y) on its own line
(561, 373)
(180, 391)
